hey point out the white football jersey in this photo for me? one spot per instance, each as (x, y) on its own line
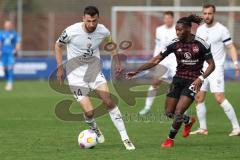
(217, 36)
(164, 36)
(81, 43)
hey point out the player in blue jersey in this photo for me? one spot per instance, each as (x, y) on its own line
(9, 44)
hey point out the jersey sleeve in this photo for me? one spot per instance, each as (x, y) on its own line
(0, 36)
(158, 42)
(198, 32)
(226, 38)
(168, 50)
(17, 38)
(207, 54)
(64, 37)
(108, 38)
(107, 35)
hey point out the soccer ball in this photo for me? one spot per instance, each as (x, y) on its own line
(87, 139)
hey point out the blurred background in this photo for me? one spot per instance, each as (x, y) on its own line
(30, 127)
(39, 24)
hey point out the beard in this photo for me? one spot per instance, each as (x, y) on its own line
(90, 30)
(209, 21)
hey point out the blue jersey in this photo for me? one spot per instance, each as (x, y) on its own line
(8, 41)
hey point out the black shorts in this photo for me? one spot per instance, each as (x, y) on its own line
(181, 86)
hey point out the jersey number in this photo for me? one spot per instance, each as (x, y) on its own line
(78, 93)
(192, 88)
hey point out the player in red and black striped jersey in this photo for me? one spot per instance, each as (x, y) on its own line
(190, 56)
(190, 52)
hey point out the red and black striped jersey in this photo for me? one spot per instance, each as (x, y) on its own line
(190, 56)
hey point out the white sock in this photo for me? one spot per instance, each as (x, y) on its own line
(150, 97)
(201, 114)
(229, 111)
(91, 122)
(116, 117)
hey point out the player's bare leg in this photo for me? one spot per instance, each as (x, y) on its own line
(115, 114)
(201, 114)
(152, 92)
(182, 105)
(227, 107)
(88, 115)
(229, 111)
(9, 76)
(170, 106)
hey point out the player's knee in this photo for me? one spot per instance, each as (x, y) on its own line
(155, 86)
(199, 98)
(219, 98)
(89, 114)
(108, 103)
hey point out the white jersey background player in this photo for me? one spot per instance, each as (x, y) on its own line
(218, 37)
(164, 35)
(82, 40)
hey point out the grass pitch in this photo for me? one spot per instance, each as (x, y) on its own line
(30, 130)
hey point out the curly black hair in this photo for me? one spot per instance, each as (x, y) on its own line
(191, 18)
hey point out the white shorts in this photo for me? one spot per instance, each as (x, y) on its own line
(81, 88)
(215, 81)
(171, 64)
(168, 76)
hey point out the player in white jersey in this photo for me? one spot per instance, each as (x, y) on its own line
(218, 37)
(164, 35)
(82, 41)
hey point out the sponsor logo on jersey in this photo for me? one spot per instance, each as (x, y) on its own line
(188, 59)
(187, 55)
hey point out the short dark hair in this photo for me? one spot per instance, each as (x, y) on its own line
(91, 10)
(170, 13)
(208, 5)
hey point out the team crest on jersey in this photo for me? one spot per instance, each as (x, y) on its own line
(195, 49)
(187, 55)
